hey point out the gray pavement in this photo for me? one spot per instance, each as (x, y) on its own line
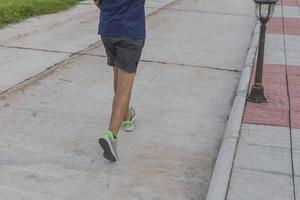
(266, 161)
(263, 166)
(184, 91)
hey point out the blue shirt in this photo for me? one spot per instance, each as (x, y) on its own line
(123, 18)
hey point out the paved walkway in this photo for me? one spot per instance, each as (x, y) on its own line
(267, 164)
(39, 43)
(184, 90)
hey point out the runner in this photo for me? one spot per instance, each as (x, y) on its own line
(122, 30)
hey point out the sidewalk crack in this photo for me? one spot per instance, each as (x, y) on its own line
(189, 65)
(36, 49)
(207, 12)
(264, 171)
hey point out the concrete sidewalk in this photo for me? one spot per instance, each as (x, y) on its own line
(183, 93)
(267, 164)
(40, 43)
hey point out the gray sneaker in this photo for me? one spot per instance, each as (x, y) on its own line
(128, 124)
(109, 145)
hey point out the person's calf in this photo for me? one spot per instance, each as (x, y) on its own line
(118, 113)
(121, 100)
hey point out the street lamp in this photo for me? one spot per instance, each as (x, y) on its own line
(264, 12)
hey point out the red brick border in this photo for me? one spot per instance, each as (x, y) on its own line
(289, 2)
(291, 26)
(283, 103)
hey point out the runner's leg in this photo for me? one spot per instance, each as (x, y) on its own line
(121, 99)
(128, 114)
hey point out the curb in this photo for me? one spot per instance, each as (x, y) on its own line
(221, 175)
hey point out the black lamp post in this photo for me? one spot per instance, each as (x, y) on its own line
(264, 12)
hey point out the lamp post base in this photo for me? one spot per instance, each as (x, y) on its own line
(257, 95)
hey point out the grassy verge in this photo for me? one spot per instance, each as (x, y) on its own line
(12, 11)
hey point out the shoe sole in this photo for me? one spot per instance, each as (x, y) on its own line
(108, 154)
(129, 130)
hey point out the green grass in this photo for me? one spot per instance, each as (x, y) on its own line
(12, 11)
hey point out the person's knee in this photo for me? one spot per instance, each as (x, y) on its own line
(125, 78)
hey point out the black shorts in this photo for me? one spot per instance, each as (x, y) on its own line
(124, 53)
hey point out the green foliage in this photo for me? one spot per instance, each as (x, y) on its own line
(12, 11)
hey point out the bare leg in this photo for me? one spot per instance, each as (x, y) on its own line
(121, 100)
(128, 114)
